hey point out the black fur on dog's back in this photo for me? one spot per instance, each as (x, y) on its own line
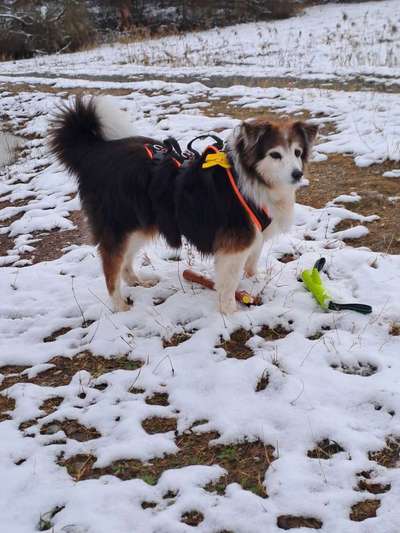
(122, 190)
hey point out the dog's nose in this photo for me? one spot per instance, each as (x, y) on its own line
(297, 175)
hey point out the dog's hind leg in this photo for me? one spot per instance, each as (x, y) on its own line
(136, 242)
(228, 270)
(112, 258)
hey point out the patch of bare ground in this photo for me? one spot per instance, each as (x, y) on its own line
(272, 333)
(389, 456)
(366, 484)
(223, 106)
(51, 404)
(176, 339)
(158, 424)
(339, 175)
(18, 87)
(235, 346)
(158, 398)
(363, 510)
(361, 368)
(246, 463)
(72, 429)
(394, 329)
(6, 404)
(293, 522)
(325, 449)
(263, 382)
(288, 258)
(192, 518)
(65, 368)
(49, 245)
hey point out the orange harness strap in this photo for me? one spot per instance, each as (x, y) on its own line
(151, 155)
(239, 195)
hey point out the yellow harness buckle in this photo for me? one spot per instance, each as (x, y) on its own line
(217, 159)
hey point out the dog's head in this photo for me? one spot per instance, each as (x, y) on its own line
(274, 153)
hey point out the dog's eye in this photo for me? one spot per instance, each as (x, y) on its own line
(297, 153)
(275, 155)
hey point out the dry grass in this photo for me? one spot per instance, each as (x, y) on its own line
(236, 345)
(65, 368)
(6, 404)
(158, 398)
(192, 518)
(246, 463)
(363, 510)
(325, 449)
(389, 456)
(395, 329)
(72, 429)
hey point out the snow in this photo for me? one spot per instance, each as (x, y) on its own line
(309, 396)
(325, 42)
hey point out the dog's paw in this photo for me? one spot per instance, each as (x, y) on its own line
(130, 278)
(228, 307)
(250, 272)
(149, 282)
(120, 305)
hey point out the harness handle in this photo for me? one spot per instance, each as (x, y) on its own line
(219, 143)
(172, 146)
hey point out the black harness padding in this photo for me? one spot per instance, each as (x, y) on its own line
(170, 149)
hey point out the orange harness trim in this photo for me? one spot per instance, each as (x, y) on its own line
(239, 195)
(151, 155)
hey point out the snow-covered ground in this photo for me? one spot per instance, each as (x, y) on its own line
(333, 376)
(324, 42)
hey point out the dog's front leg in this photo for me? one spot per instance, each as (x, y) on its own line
(228, 270)
(250, 267)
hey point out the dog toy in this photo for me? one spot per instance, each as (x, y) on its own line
(312, 280)
(242, 297)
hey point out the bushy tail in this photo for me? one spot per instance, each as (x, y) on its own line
(82, 124)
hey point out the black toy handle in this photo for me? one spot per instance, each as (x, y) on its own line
(359, 308)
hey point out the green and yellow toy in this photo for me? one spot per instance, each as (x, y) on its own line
(313, 282)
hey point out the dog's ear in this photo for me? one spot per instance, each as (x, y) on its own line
(308, 133)
(308, 130)
(251, 132)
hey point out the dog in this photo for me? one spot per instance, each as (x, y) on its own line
(129, 197)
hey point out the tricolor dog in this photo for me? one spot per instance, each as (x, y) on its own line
(226, 203)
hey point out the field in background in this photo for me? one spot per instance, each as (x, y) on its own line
(171, 417)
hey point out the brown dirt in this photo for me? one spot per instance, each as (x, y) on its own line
(176, 339)
(363, 510)
(6, 404)
(294, 522)
(339, 175)
(246, 463)
(158, 398)
(389, 456)
(262, 382)
(72, 429)
(157, 424)
(395, 329)
(373, 488)
(65, 368)
(236, 345)
(192, 518)
(272, 334)
(325, 449)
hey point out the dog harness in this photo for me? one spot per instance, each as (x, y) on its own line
(212, 156)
